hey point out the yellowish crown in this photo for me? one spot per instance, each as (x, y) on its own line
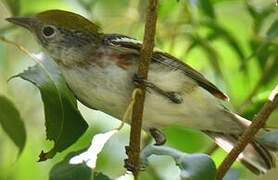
(67, 20)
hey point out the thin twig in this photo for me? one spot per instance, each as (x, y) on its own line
(146, 53)
(249, 133)
(37, 60)
(22, 49)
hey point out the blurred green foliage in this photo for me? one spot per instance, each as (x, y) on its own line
(233, 43)
(11, 123)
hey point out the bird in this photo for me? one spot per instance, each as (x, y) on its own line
(100, 69)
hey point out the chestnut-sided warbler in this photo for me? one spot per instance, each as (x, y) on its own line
(100, 70)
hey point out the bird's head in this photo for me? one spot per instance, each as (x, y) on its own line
(62, 34)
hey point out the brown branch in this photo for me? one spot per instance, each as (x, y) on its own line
(249, 133)
(146, 53)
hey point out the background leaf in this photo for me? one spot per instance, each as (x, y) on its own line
(207, 8)
(14, 6)
(64, 123)
(259, 15)
(273, 30)
(211, 53)
(12, 123)
(65, 171)
(217, 31)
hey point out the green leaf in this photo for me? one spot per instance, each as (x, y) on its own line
(63, 121)
(211, 53)
(228, 37)
(273, 30)
(14, 6)
(65, 171)
(260, 46)
(196, 141)
(259, 15)
(260, 51)
(12, 123)
(100, 176)
(220, 32)
(270, 69)
(207, 8)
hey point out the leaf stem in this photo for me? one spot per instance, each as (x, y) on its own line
(21, 48)
(129, 108)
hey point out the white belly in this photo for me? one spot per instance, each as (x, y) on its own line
(109, 89)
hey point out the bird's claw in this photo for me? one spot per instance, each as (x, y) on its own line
(175, 97)
(127, 149)
(171, 95)
(132, 168)
(158, 136)
(138, 79)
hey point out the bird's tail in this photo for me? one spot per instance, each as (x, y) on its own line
(255, 157)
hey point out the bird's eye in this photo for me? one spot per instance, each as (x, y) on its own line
(49, 31)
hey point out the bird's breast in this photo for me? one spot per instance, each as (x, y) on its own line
(108, 87)
(105, 87)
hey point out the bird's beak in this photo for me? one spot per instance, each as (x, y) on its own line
(26, 22)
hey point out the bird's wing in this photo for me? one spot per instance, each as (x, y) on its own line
(122, 41)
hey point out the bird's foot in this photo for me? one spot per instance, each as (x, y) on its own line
(132, 168)
(158, 136)
(127, 149)
(172, 96)
(138, 80)
(175, 97)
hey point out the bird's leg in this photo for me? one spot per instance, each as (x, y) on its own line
(158, 136)
(171, 95)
